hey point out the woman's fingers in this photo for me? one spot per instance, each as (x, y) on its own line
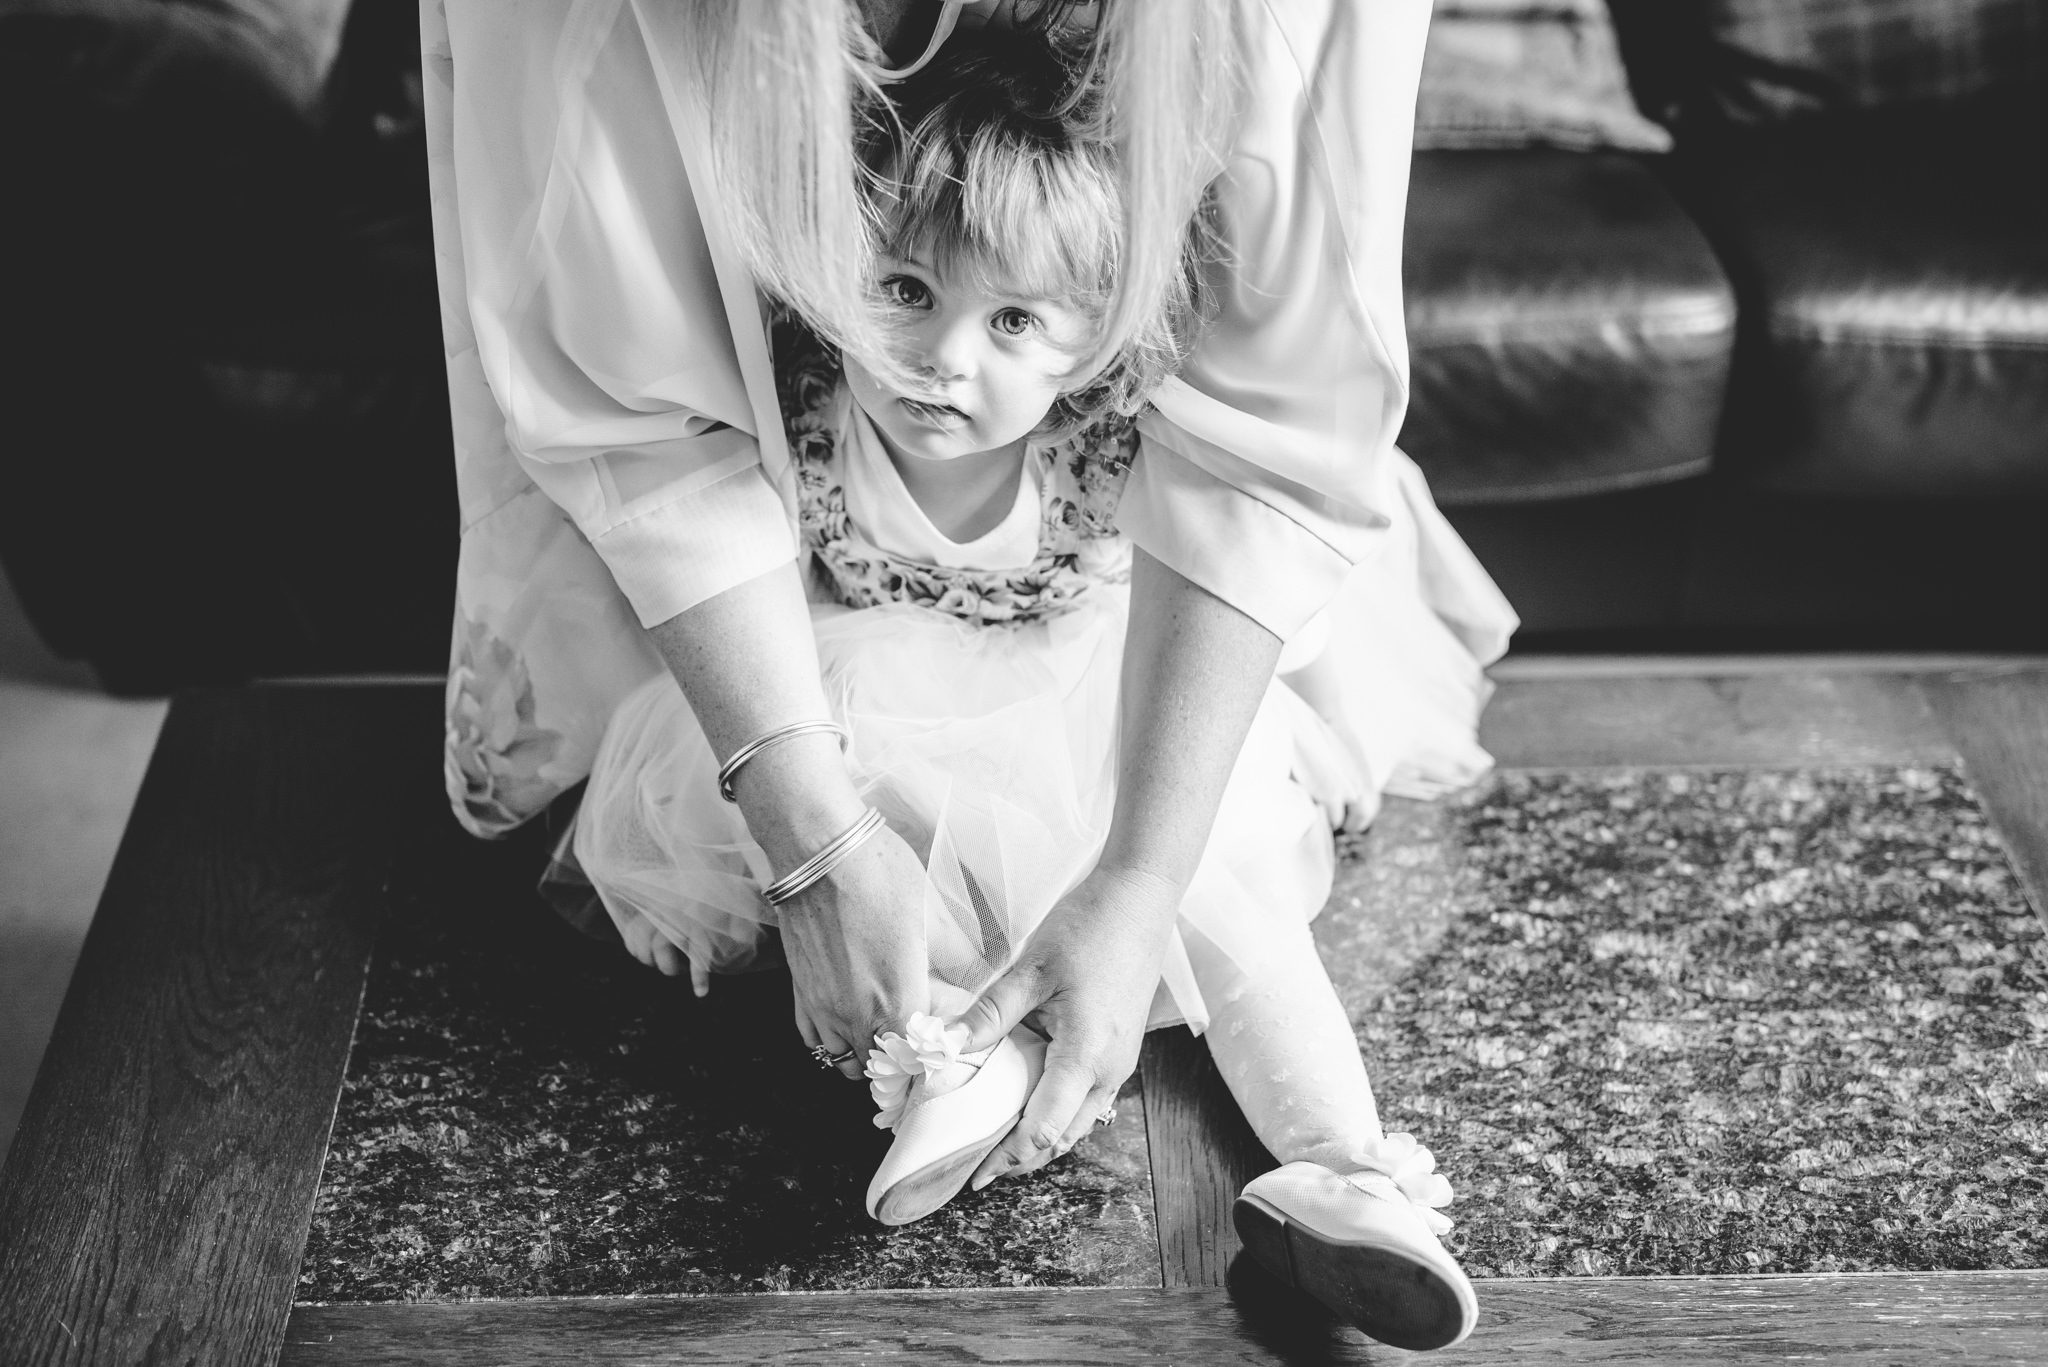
(1085, 1119)
(700, 979)
(831, 1039)
(1006, 1001)
(1088, 1117)
(856, 950)
(806, 1028)
(1097, 1103)
(1061, 1089)
(830, 1029)
(855, 1067)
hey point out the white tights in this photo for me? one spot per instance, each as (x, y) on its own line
(1285, 1048)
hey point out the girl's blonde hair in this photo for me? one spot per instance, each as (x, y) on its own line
(993, 171)
(795, 87)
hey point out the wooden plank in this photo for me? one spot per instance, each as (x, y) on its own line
(1203, 1152)
(155, 1205)
(1750, 721)
(1999, 721)
(1539, 665)
(1973, 1317)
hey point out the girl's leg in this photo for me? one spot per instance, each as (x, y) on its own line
(1285, 1048)
(1356, 1243)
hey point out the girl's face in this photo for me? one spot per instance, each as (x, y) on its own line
(992, 363)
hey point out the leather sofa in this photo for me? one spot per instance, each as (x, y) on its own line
(228, 422)
(1786, 386)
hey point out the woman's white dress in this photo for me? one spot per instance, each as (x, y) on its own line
(619, 455)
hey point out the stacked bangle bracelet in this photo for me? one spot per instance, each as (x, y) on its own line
(825, 860)
(730, 770)
(843, 844)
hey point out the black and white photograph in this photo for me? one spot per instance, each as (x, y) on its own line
(1046, 682)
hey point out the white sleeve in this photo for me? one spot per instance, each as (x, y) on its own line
(1264, 462)
(577, 284)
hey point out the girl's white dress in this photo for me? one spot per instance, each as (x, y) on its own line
(980, 684)
(620, 458)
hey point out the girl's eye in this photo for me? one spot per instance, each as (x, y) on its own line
(906, 291)
(1013, 322)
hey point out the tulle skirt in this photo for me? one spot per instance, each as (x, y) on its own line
(992, 752)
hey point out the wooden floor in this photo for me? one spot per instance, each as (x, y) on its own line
(1973, 1318)
(155, 1205)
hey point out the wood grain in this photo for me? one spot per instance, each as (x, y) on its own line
(1969, 1317)
(1203, 1152)
(1745, 721)
(1999, 722)
(155, 1204)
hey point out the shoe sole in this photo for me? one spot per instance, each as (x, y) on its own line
(1391, 1295)
(920, 1193)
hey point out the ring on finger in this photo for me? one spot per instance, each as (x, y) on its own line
(1107, 1116)
(827, 1059)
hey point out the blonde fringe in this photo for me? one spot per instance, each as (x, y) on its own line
(790, 82)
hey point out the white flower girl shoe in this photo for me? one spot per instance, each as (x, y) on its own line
(1364, 1243)
(948, 1109)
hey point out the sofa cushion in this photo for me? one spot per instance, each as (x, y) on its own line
(239, 291)
(1767, 60)
(150, 56)
(1520, 73)
(1569, 330)
(1893, 273)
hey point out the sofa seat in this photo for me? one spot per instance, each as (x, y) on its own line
(1569, 330)
(233, 403)
(1909, 360)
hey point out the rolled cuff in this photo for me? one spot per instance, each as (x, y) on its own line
(672, 557)
(1254, 557)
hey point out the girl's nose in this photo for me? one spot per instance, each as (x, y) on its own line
(949, 350)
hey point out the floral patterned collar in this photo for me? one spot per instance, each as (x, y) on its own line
(1078, 543)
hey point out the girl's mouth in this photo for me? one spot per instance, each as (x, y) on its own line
(938, 416)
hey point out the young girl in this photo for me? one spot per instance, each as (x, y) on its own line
(973, 596)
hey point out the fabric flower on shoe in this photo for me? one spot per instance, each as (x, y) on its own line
(1413, 1170)
(927, 1046)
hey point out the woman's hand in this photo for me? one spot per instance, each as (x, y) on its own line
(748, 663)
(1194, 671)
(855, 944)
(1086, 980)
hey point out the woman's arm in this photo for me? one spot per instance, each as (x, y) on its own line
(1195, 669)
(592, 354)
(747, 661)
(1265, 475)
(1263, 462)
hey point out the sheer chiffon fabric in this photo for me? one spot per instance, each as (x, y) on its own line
(992, 751)
(618, 452)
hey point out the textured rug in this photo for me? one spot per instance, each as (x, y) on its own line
(528, 1113)
(1655, 1022)
(1682, 1022)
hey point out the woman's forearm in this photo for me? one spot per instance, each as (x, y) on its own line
(748, 662)
(1195, 670)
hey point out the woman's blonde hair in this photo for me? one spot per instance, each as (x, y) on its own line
(795, 87)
